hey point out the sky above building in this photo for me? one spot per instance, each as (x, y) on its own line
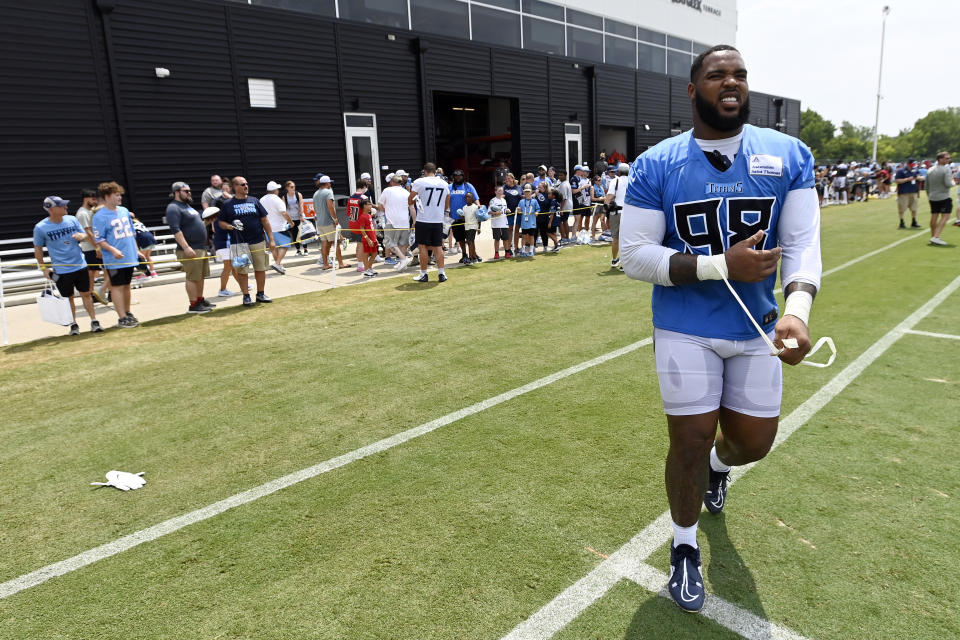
(826, 53)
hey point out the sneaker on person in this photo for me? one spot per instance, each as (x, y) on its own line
(716, 495)
(615, 263)
(686, 583)
(95, 327)
(555, 249)
(421, 278)
(508, 253)
(956, 223)
(197, 307)
(153, 274)
(360, 268)
(206, 303)
(98, 296)
(391, 261)
(378, 258)
(442, 277)
(262, 297)
(464, 260)
(496, 256)
(278, 268)
(477, 259)
(247, 300)
(74, 329)
(938, 242)
(225, 293)
(902, 225)
(914, 225)
(370, 273)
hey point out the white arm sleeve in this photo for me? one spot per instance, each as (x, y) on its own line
(799, 233)
(641, 245)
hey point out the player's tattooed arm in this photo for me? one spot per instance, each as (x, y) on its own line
(683, 268)
(800, 286)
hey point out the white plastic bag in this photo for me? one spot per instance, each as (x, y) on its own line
(54, 308)
(308, 232)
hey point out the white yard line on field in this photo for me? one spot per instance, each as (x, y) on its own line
(569, 604)
(174, 524)
(119, 545)
(930, 334)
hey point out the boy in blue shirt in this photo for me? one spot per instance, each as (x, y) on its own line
(528, 208)
(113, 231)
(61, 234)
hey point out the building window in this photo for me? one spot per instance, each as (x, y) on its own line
(622, 52)
(543, 9)
(679, 43)
(262, 94)
(491, 26)
(584, 44)
(317, 7)
(699, 48)
(620, 28)
(651, 58)
(390, 13)
(678, 64)
(653, 37)
(540, 35)
(513, 5)
(582, 19)
(442, 17)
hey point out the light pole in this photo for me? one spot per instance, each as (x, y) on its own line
(876, 119)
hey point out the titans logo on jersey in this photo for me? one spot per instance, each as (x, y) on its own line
(707, 211)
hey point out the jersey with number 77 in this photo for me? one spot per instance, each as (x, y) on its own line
(707, 211)
(433, 198)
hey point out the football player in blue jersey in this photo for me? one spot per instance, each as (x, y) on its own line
(726, 200)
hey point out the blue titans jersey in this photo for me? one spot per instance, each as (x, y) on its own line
(528, 210)
(57, 237)
(707, 211)
(458, 197)
(116, 228)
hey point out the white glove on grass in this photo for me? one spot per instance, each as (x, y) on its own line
(122, 480)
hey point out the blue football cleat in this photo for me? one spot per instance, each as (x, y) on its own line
(716, 494)
(686, 583)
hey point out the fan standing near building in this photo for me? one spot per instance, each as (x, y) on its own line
(434, 202)
(732, 198)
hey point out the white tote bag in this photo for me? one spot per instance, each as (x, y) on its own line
(54, 308)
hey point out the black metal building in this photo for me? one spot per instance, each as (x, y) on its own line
(86, 99)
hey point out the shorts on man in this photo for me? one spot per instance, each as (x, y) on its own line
(614, 221)
(907, 200)
(198, 268)
(120, 276)
(429, 234)
(327, 233)
(281, 239)
(699, 375)
(93, 262)
(459, 231)
(66, 282)
(502, 233)
(223, 255)
(393, 237)
(941, 206)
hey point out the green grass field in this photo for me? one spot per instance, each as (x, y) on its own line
(847, 530)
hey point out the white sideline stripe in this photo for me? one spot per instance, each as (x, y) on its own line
(850, 263)
(739, 620)
(930, 334)
(119, 545)
(564, 608)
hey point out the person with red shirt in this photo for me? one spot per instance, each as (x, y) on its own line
(368, 237)
(354, 209)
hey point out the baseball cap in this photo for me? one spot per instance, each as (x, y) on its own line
(458, 172)
(543, 166)
(321, 178)
(365, 176)
(390, 177)
(54, 201)
(577, 167)
(273, 186)
(527, 187)
(401, 172)
(178, 185)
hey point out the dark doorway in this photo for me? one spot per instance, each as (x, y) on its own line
(618, 144)
(473, 134)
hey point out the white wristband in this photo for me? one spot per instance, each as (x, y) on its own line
(798, 304)
(712, 267)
